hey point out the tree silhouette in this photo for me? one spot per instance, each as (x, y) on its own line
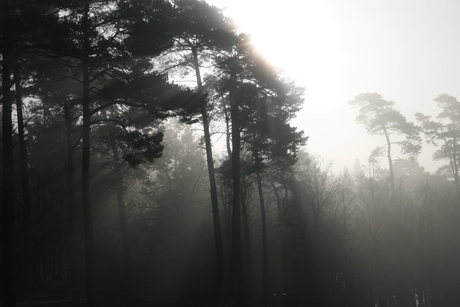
(446, 129)
(201, 31)
(23, 26)
(95, 40)
(256, 95)
(379, 117)
(271, 143)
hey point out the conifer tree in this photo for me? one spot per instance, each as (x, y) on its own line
(445, 129)
(379, 117)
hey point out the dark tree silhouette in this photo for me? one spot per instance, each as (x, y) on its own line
(8, 263)
(272, 143)
(201, 31)
(24, 174)
(316, 237)
(92, 53)
(22, 31)
(246, 80)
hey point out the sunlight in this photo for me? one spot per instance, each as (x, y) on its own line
(314, 45)
(336, 50)
(298, 38)
(308, 41)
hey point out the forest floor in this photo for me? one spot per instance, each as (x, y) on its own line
(64, 303)
(63, 294)
(110, 303)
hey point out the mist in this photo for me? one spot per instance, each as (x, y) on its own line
(164, 154)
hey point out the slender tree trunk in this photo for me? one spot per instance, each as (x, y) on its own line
(238, 286)
(390, 161)
(121, 213)
(264, 241)
(278, 200)
(36, 232)
(24, 171)
(246, 231)
(71, 198)
(44, 237)
(212, 183)
(87, 215)
(8, 261)
(227, 133)
(53, 245)
(455, 162)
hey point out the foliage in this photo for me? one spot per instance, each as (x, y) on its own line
(380, 118)
(444, 130)
(328, 239)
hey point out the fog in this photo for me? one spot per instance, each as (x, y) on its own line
(159, 153)
(406, 51)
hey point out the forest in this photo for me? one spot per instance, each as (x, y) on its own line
(148, 159)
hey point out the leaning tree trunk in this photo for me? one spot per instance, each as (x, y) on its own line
(212, 183)
(24, 173)
(390, 160)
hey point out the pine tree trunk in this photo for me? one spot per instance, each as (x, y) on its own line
(213, 186)
(455, 162)
(121, 214)
(246, 232)
(227, 133)
(87, 215)
(238, 285)
(24, 171)
(71, 199)
(8, 261)
(264, 241)
(390, 161)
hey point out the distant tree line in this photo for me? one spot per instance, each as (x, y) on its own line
(112, 191)
(409, 215)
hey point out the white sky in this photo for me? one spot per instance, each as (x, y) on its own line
(408, 51)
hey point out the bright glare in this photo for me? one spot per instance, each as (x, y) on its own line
(405, 50)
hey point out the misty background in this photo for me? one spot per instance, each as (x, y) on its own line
(405, 50)
(177, 153)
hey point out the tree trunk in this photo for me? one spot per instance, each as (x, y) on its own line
(238, 285)
(87, 215)
(71, 199)
(455, 162)
(8, 262)
(44, 236)
(246, 232)
(121, 213)
(212, 183)
(264, 241)
(390, 161)
(227, 133)
(24, 171)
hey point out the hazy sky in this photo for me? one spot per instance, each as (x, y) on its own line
(406, 50)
